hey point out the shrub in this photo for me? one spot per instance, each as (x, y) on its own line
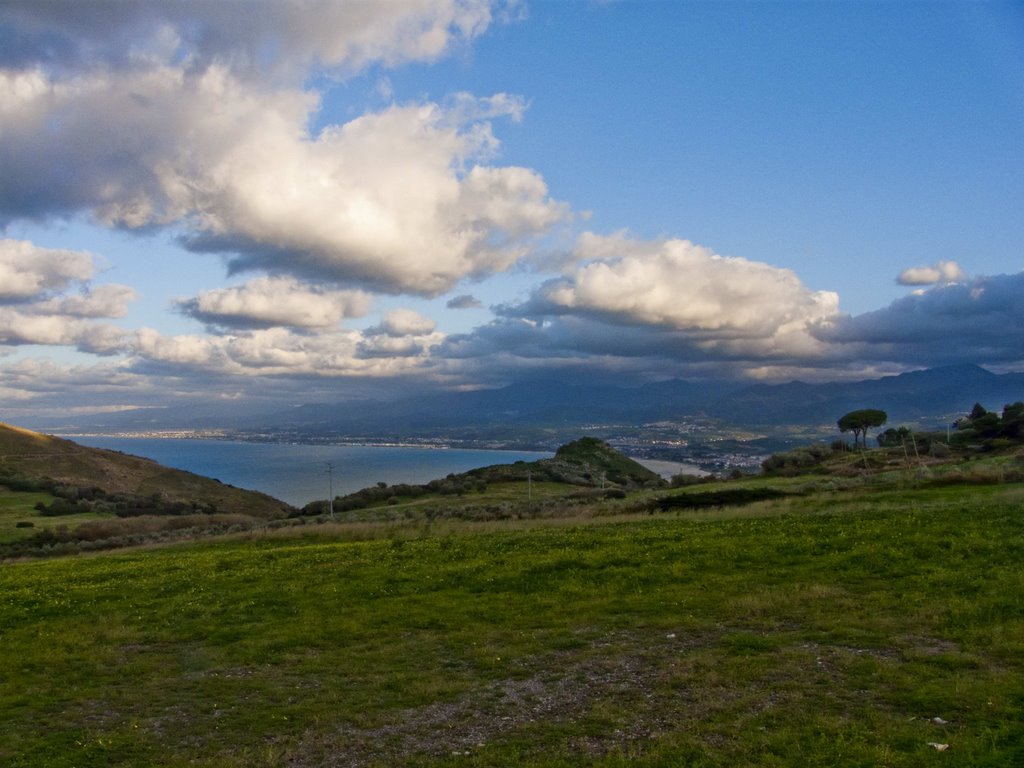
(723, 498)
(682, 480)
(795, 461)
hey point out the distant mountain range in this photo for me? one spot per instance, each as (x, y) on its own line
(534, 403)
(933, 396)
(930, 397)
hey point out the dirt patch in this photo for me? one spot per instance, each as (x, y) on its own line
(612, 696)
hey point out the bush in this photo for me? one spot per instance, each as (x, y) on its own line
(61, 507)
(682, 480)
(729, 497)
(894, 437)
(795, 461)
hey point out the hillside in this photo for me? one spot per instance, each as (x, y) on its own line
(33, 461)
(587, 461)
(878, 625)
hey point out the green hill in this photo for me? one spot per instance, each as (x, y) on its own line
(52, 490)
(867, 615)
(881, 626)
(584, 462)
(582, 470)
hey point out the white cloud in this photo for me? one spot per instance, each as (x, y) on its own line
(28, 271)
(30, 378)
(177, 132)
(268, 301)
(182, 349)
(19, 327)
(642, 310)
(406, 322)
(400, 199)
(688, 290)
(942, 272)
(36, 309)
(401, 345)
(380, 201)
(110, 300)
(402, 333)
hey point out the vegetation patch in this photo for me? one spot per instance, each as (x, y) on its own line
(586, 463)
(725, 497)
(831, 628)
(858, 612)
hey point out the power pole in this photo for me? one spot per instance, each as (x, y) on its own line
(330, 486)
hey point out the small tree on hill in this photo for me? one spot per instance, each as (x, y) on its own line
(860, 421)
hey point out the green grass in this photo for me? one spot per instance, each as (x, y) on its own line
(823, 630)
(19, 507)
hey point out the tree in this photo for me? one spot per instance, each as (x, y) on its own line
(894, 437)
(860, 421)
(1013, 421)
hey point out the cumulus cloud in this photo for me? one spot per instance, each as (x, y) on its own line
(402, 333)
(653, 313)
(380, 201)
(682, 286)
(32, 378)
(687, 296)
(400, 344)
(942, 272)
(28, 271)
(37, 308)
(652, 309)
(464, 301)
(270, 301)
(405, 322)
(280, 38)
(399, 199)
(405, 199)
(19, 327)
(110, 300)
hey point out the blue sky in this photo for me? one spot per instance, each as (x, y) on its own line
(341, 198)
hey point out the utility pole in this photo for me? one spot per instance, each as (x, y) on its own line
(330, 486)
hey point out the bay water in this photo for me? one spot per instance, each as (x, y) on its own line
(298, 473)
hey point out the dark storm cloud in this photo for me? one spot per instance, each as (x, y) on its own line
(979, 321)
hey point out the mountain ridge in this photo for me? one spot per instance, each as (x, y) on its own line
(930, 396)
(934, 393)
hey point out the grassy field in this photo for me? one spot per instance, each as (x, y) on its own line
(18, 508)
(865, 628)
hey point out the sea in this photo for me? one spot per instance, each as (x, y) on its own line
(300, 473)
